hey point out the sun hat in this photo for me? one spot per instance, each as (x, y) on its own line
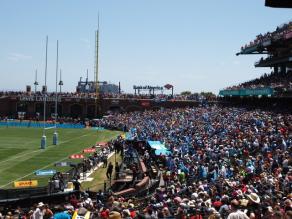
(253, 197)
(40, 204)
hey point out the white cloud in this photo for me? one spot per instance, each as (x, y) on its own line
(18, 57)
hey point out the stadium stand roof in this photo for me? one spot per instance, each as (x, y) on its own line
(279, 3)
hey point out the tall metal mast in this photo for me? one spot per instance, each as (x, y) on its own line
(36, 81)
(96, 67)
(55, 136)
(61, 82)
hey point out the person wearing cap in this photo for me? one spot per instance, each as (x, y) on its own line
(39, 211)
(236, 212)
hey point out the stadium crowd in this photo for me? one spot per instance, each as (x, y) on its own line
(275, 35)
(281, 82)
(78, 95)
(224, 163)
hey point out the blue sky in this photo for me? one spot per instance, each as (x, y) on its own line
(188, 43)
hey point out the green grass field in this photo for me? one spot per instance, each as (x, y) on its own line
(21, 156)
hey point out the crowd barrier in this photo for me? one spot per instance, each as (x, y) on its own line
(40, 125)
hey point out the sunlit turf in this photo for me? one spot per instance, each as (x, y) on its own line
(21, 156)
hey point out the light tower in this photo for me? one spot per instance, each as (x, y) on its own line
(36, 83)
(55, 135)
(96, 67)
(61, 82)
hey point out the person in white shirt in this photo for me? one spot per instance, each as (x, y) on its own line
(236, 213)
(39, 211)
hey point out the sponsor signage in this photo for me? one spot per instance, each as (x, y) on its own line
(89, 150)
(248, 92)
(76, 156)
(63, 164)
(27, 183)
(147, 87)
(39, 99)
(45, 172)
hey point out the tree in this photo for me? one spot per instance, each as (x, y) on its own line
(186, 93)
(207, 94)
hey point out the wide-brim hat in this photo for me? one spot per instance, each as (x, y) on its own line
(253, 197)
(40, 204)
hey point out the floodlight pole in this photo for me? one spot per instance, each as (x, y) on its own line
(60, 82)
(55, 136)
(36, 81)
(96, 68)
(44, 138)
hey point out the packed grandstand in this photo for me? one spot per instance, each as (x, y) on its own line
(220, 160)
(195, 96)
(210, 161)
